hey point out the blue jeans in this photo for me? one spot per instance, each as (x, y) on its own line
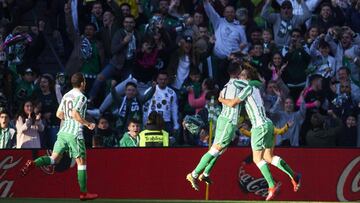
(110, 71)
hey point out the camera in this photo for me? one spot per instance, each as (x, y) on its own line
(339, 100)
(153, 24)
(181, 26)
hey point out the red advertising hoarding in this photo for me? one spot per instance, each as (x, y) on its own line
(159, 173)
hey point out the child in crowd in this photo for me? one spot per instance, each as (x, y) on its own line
(104, 130)
(131, 138)
(7, 134)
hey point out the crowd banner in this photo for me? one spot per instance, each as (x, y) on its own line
(159, 173)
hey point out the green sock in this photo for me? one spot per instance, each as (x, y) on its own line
(82, 180)
(42, 161)
(265, 171)
(203, 163)
(211, 164)
(282, 165)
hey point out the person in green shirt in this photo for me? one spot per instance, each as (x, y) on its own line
(131, 138)
(7, 134)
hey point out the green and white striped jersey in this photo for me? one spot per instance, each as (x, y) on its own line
(74, 99)
(230, 91)
(254, 105)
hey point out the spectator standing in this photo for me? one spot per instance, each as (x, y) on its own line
(348, 136)
(328, 17)
(281, 116)
(123, 49)
(28, 127)
(230, 37)
(163, 101)
(319, 136)
(88, 53)
(352, 15)
(7, 134)
(49, 102)
(345, 45)
(285, 21)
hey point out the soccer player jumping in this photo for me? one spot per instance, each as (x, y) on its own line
(225, 129)
(70, 137)
(262, 137)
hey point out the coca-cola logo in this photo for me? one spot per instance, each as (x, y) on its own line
(5, 185)
(351, 170)
(250, 184)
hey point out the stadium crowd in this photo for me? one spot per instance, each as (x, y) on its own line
(154, 69)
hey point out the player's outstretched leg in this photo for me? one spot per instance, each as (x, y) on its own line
(205, 160)
(30, 164)
(282, 165)
(193, 181)
(205, 176)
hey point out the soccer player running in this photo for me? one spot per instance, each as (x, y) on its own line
(225, 129)
(262, 133)
(70, 137)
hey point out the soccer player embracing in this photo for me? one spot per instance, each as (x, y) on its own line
(262, 133)
(226, 126)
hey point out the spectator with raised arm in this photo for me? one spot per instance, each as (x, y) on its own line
(164, 101)
(320, 135)
(345, 46)
(28, 127)
(230, 37)
(7, 134)
(285, 21)
(123, 49)
(284, 111)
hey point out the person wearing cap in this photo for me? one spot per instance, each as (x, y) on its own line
(297, 6)
(230, 37)
(285, 21)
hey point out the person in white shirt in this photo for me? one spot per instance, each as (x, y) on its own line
(230, 37)
(163, 101)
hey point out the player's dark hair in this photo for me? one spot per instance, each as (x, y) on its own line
(233, 68)
(77, 79)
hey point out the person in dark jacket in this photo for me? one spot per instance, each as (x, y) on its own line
(319, 136)
(348, 136)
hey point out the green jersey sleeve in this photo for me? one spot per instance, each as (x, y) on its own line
(245, 92)
(80, 103)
